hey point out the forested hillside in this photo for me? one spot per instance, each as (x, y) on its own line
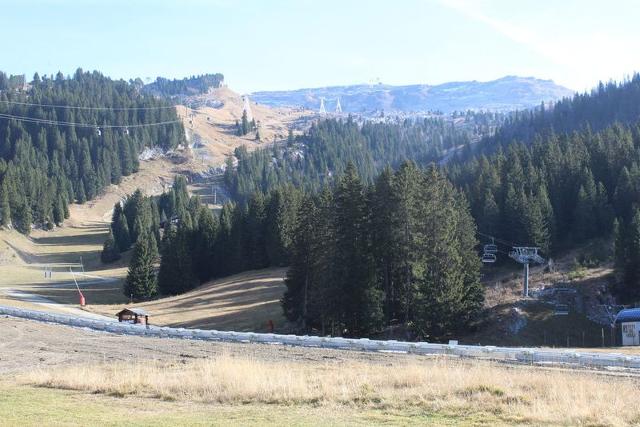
(560, 176)
(193, 85)
(63, 139)
(554, 177)
(604, 105)
(369, 247)
(400, 252)
(313, 159)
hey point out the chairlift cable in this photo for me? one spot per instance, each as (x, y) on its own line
(35, 120)
(78, 107)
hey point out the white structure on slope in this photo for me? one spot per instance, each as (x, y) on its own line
(247, 107)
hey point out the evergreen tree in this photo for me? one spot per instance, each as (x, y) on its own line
(408, 180)
(254, 247)
(120, 227)
(353, 265)
(5, 209)
(141, 280)
(302, 275)
(630, 254)
(205, 239)
(385, 229)
(176, 273)
(58, 211)
(449, 293)
(110, 251)
(584, 227)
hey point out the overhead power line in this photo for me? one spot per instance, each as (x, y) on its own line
(78, 107)
(35, 120)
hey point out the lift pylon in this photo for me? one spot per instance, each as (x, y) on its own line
(526, 255)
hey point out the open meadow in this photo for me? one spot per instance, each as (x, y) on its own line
(92, 377)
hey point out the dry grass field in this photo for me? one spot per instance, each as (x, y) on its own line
(242, 302)
(440, 386)
(71, 376)
(214, 128)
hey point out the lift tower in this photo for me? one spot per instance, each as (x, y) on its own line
(246, 107)
(526, 255)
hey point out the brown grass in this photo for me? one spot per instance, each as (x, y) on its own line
(442, 385)
(242, 302)
(216, 126)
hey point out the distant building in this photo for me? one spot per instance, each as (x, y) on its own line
(137, 316)
(627, 325)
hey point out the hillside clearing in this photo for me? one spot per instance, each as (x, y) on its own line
(242, 302)
(213, 132)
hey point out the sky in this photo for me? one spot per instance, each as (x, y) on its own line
(290, 44)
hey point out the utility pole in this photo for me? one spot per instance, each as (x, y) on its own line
(526, 255)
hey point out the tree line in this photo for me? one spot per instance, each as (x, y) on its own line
(194, 244)
(244, 126)
(596, 110)
(361, 257)
(193, 85)
(44, 168)
(561, 192)
(313, 159)
(399, 252)
(559, 176)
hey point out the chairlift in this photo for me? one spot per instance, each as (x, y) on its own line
(491, 248)
(98, 131)
(488, 258)
(126, 131)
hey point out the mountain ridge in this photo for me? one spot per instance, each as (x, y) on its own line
(503, 94)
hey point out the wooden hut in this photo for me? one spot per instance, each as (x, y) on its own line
(133, 315)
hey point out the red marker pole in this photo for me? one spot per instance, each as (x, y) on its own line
(82, 300)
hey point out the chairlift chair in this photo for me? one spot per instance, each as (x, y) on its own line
(488, 258)
(491, 248)
(98, 131)
(126, 131)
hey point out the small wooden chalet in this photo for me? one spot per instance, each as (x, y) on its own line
(133, 315)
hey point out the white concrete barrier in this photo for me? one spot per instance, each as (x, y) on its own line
(508, 354)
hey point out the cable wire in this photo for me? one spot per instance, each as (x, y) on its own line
(77, 107)
(81, 125)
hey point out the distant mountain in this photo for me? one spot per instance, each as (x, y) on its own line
(505, 94)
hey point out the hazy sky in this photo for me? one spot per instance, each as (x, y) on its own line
(288, 44)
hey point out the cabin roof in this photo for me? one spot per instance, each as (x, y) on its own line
(628, 315)
(138, 311)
